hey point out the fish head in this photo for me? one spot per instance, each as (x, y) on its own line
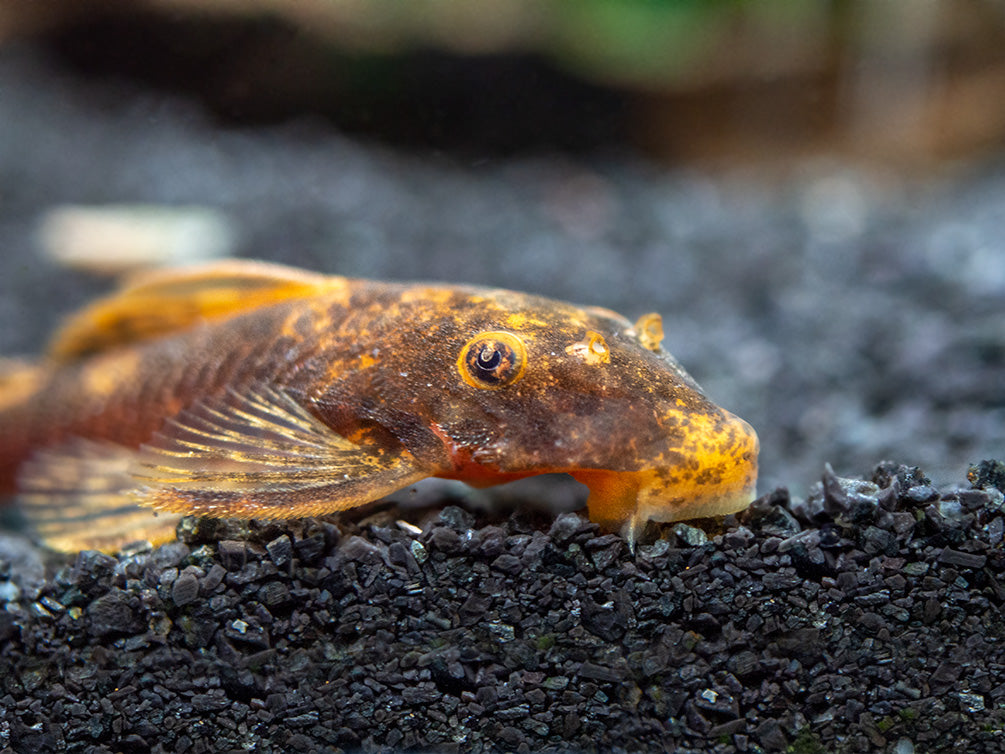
(531, 386)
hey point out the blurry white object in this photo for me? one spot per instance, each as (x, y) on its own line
(115, 239)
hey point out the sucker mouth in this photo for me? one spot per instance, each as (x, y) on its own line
(718, 476)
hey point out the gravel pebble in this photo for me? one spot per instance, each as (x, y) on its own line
(185, 589)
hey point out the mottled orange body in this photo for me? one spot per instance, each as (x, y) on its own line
(252, 390)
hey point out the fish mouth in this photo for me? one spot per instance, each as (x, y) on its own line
(709, 470)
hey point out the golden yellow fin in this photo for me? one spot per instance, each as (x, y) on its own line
(259, 454)
(76, 496)
(166, 301)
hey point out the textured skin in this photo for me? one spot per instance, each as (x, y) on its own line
(382, 366)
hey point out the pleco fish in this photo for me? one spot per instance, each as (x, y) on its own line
(251, 390)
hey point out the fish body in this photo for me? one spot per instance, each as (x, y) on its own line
(251, 390)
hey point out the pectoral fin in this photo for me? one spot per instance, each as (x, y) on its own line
(76, 497)
(259, 454)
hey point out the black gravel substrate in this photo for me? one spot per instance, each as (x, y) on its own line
(866, 617)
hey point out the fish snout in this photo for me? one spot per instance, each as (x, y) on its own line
(713, 473)
(704, 465)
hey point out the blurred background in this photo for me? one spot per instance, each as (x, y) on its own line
(812, 194)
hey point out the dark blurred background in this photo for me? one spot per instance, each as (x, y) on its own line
(813, 194)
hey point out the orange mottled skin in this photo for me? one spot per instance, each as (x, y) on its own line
(382, 367)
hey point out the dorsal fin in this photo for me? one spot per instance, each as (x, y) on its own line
(167, 301)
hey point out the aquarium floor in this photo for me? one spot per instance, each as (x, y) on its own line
(866, 617)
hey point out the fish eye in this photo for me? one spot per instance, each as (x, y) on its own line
(492, 360)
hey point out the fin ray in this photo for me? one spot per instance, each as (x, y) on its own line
(263, 456)
(76, 497)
